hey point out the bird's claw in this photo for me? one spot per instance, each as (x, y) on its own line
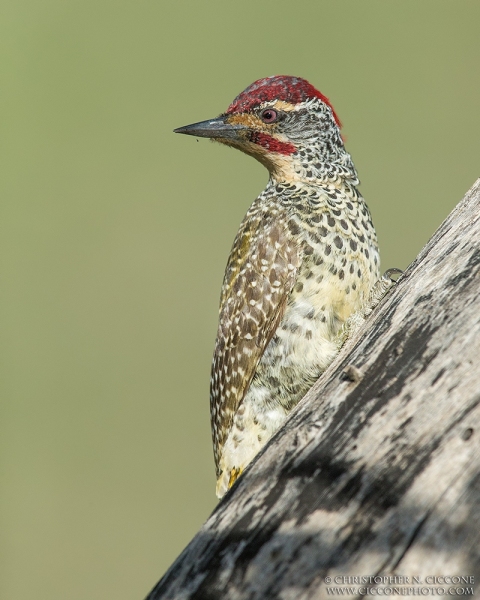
(377, 293)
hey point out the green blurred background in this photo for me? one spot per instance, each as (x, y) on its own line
(115, 234)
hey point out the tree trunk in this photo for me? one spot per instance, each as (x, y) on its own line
(377, 471)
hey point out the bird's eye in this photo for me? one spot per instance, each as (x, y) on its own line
(269, 115)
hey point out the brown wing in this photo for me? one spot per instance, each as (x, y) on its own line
(260, 274)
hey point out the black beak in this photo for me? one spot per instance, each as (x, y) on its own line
(213, 128)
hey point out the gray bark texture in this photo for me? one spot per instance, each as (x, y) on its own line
(377, 471)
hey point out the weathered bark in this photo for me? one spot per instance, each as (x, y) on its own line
(378, 469)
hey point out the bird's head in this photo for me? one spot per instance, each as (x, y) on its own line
(286, 124)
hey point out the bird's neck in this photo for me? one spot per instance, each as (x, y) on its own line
(320, 163)
(318, 195)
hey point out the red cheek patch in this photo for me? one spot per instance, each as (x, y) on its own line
(273, 145)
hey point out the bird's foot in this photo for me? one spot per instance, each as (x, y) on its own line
(226, 480)
(377, 293)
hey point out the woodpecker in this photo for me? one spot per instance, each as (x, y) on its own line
(304, 260)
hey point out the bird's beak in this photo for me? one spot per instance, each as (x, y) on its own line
(214, 128)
